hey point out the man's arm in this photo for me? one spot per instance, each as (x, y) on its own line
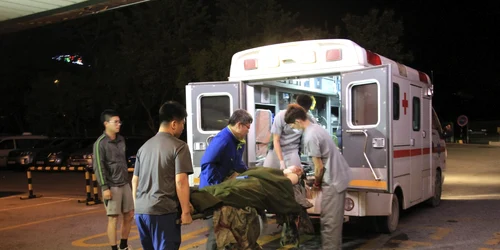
(135, 178)
(276, 129)
(183, 167)
(135, 182)
(277, 146)
(210, 160)
(319, 170)
(182, 188)
(241, 166)
(314, 151)
(99, 165)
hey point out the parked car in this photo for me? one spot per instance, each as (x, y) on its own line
(58, 154)
(83, 157)
(22, 158)
(9, 143)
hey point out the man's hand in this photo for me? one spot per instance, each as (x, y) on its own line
(186, 219)
(316, 186)
(107, 194)
(282, 165)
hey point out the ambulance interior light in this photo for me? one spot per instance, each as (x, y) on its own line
(373, 58)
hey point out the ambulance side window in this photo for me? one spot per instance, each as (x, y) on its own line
(416, 114)
(395, 101)
(364, 104)
(215, 112)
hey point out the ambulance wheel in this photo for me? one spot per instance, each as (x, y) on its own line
(435, 200)
(389, 224)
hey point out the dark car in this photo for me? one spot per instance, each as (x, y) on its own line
(22, 158)
(58, 154)
(83, 157)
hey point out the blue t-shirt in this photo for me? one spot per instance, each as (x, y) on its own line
(223, 154)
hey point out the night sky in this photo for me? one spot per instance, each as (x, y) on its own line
(454, 43)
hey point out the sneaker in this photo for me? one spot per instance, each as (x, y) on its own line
(127, 248)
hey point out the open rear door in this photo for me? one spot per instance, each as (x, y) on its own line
(209, 106)
(366, 127)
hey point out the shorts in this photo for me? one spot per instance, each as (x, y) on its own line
(159, 232)
(121, 200)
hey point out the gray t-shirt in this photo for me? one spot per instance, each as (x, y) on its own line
(318, 143)
(289, 138)
(157, 162)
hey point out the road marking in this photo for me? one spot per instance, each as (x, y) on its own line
(193, 245)
(494, 241)
(193, 234)
(302, 239)
(261, 241)
(81, 242)
(35, 205)
(440, 233)
(47, 220)
(268, 238)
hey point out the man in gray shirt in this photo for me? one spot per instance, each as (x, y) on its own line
(160, 184)
(286, 140)
(110, 166)
(332, 174)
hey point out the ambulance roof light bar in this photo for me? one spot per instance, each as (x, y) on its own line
(333, 55)
(373, 58)
(250, 64)
(423, 77)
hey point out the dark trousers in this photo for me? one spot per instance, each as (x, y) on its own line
(159, 232)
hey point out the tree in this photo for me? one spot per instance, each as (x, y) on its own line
(242, 25)
(156, 39)
(62, 104)
(379, 32)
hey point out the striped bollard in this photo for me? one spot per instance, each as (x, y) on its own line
(30, 187)
(87, 189)
(96, 192)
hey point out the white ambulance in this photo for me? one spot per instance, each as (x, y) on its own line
(378, 111)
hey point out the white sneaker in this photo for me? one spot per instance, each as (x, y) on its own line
(127, 248)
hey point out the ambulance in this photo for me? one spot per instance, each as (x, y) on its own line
(379, 112)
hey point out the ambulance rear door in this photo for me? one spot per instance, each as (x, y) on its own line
(209, 106)
(366, 128)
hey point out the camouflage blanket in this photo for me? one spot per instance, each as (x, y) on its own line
(259, 187)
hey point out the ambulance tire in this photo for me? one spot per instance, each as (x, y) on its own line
(435, 200)
(389, 224)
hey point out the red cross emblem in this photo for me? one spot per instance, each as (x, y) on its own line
(405, 103)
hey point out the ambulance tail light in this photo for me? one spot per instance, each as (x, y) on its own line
(373, 58)
(250, 64)
(422, 77)
(333, 55)
(349, 204)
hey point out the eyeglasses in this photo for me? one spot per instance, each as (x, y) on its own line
(246, 125)
(116, 122)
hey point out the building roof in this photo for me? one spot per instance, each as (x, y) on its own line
(16, 15)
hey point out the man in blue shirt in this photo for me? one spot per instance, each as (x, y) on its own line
(225, 151)
(224, 156)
